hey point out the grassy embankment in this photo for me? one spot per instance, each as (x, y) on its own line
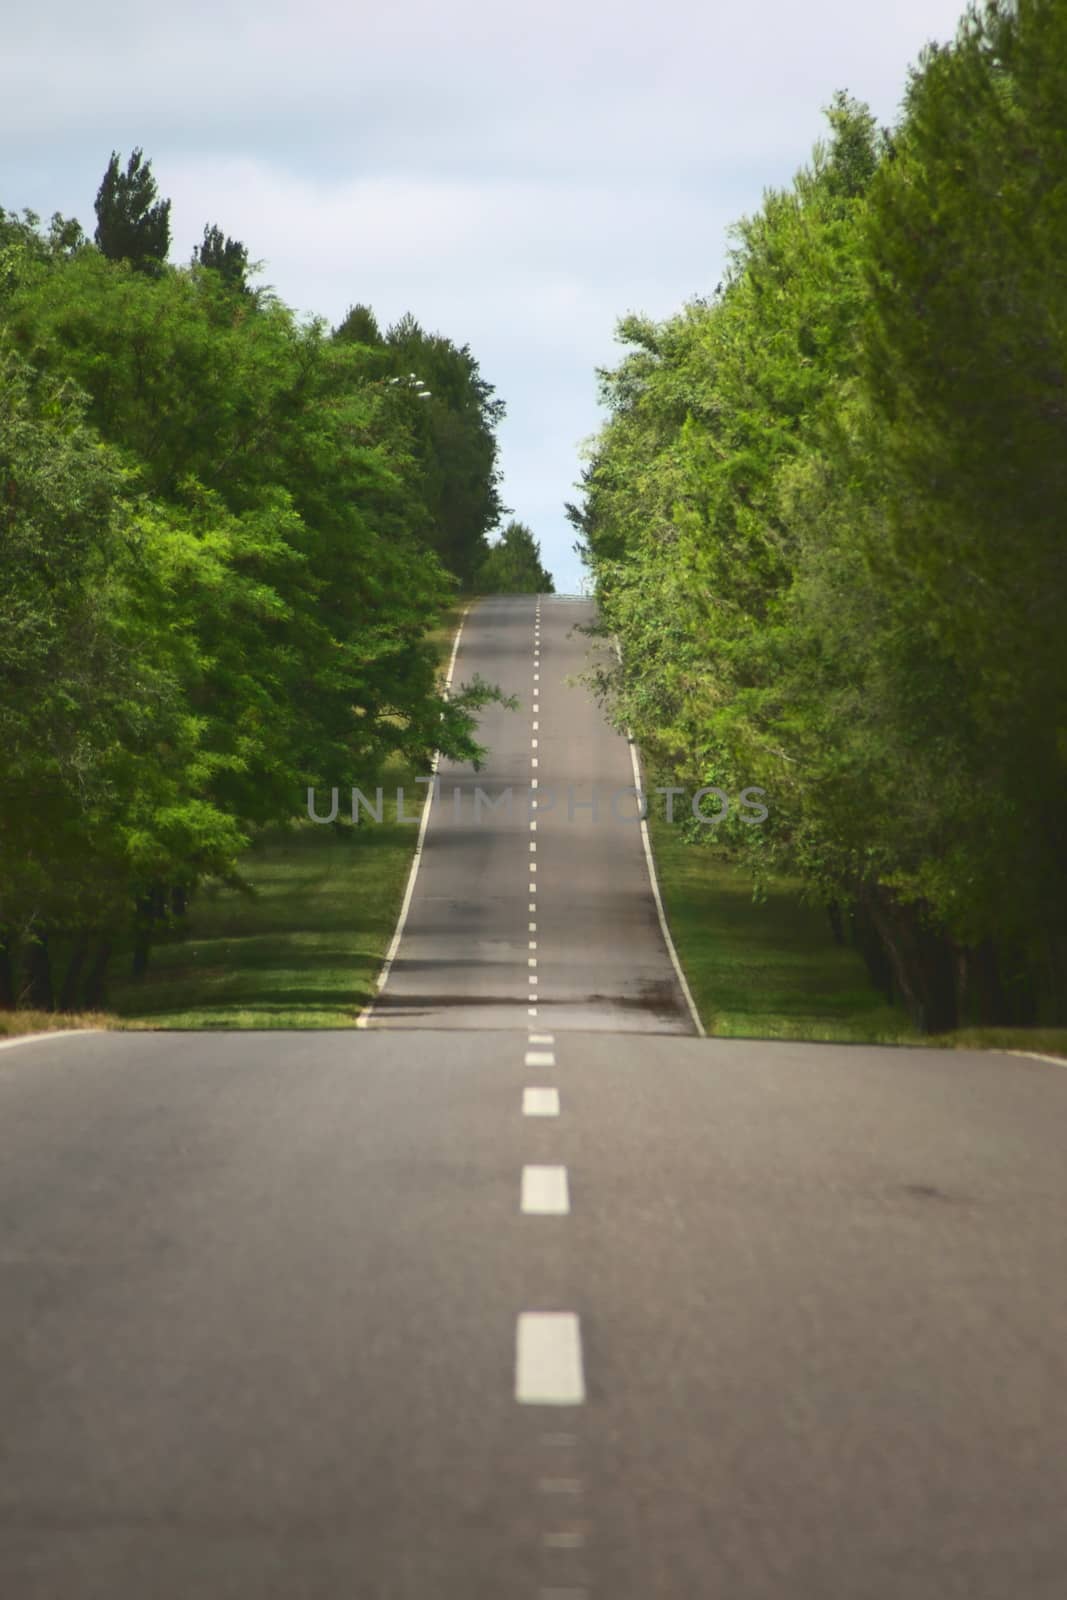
(302, 951)
(773, 971)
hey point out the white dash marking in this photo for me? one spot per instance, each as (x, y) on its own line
(539, 1058)
(540, 1102)
(543, 1038)
(548, 1359)
(533, 783)
(533, 827)
(531, 961)
(537, 727)
(533, 846)
(533, 977)
(533, 744)
(533, 887)
(533, 761)
(531, 1011)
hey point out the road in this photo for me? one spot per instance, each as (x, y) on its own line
(545, 834)
(792, 1324)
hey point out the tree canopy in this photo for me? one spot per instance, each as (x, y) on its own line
(513, 564)
(225, 539)
(825, 520)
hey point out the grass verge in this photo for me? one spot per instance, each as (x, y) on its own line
(301, 950)
(773, 970)
(304, 949)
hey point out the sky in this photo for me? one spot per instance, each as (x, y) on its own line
(518, 177)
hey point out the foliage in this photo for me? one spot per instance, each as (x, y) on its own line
(221, 540)
(513, 564)
(131, 225)
(824, 521)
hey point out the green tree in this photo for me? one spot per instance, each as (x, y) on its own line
(131, 225)
(513, 564)
(228, 257)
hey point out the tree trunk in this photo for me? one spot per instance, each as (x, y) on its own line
(39, 974)
(837, 926)
(7, 974)
(151, 909)
(872, 949)
(922, 961)
(95, 992)
(990, 1002)
(68, 994)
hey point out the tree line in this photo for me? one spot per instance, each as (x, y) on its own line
(825, 518)
(224, 537)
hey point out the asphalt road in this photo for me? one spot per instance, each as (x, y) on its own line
(776, 1321)
(520, 842)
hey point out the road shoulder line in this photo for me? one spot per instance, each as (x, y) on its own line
(424, 822)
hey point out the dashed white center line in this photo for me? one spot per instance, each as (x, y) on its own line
(533, 827)
(531, 961)
(548, 1359)
(539, 1058)
(533, 761)
(533, 927)
(544, 1191)
(533, 846)
(533, 906)
(540, 1102)
(533, 783)
(542, 1038)
(537, 727)
(533, 977)
(537, 677)
(533, 744)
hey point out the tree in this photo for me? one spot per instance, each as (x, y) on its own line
(513, 565)
(360, 326)
(226, 256)
(130, 224)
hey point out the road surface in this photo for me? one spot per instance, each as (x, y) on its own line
(566, 1306)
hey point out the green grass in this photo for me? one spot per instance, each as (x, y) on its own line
(773, 970)
(763, 971)
(303, 951)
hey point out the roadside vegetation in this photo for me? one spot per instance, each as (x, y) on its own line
(825, 521)
(226, 541)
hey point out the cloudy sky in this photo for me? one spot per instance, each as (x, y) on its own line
(517, 177)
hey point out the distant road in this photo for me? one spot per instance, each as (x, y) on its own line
(479, 1304)
(601, 961)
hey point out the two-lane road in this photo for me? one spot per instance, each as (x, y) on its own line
(525, 1290)
(546, 833)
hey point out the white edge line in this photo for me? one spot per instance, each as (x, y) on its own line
(654, 881)
(1031, 1055)
(424, 821)
(49, 1033)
